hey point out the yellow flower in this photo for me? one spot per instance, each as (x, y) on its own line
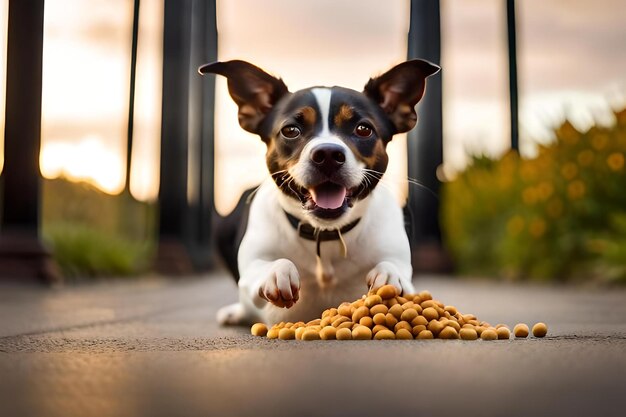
(615, 161)
(569, 171)
(529, 196)
(545, 190)
(515, 225)
(599, 141)
(576, 190)
(568, 133)
(537, 228)
(585, 158)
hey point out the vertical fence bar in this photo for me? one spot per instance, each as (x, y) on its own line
(22, 255)
(512, 52)
(425, 143)
(173, 251)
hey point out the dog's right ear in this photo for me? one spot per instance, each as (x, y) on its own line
(254, 90)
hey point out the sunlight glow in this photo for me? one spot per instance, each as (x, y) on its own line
(88, 160)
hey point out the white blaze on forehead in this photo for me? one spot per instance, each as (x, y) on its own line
(322, 96)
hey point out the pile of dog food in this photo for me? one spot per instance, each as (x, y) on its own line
(384, 314)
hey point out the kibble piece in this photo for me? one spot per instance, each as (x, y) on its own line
(345, 310)
(425, 334)
(310, 334)
(367, 322)
(419, 320)
(258, 329)
(489, 334)
(402, 325)
(339, 320)
(344, 334)
(430, 313)
(425, 295)
(404, 334)
(401, 300)
(314, 322)
(503, 332)
(387, 292)
(361, 333)
(378, 328)
(328, 333)
(501, 325)
(396, 310)
(418, 329)
(273, 333)
(373, 300)
(326, 321)
(287, 333)
(384, 334)
(540, 330)
(379, 308)
(448, 333)
(408, 315)
(435, 326)
(346, 325)
(380, 318)
(467, 333)
(454, 324)
(520, 330)
(390, 302)
(390, 320)
(450, 309)
(299, 332)
(359, 313)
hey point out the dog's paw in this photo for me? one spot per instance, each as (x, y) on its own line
(387, 273)
(282, 286)
(232, 315)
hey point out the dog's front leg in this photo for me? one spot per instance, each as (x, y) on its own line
(277, 282)
(394, 273)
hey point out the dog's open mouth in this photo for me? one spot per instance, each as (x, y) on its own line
(328, 200)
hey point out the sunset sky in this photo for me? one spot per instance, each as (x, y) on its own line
(572, 62)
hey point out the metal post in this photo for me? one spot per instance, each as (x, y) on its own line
(512, 42)
(22, 255)
(173, 252)
(131, 94)
(201, 125)
(425, 149)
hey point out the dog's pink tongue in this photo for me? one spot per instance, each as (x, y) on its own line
(328, 196)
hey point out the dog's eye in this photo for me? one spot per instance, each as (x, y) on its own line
(290, 132)
(363, 130)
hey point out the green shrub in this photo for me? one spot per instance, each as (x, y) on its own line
(560, 215)
(82, 251)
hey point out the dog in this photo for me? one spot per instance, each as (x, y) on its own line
(319, 230)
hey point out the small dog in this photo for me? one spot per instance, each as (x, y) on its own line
(319, 231)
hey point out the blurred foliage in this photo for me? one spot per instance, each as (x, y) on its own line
(560, 215)
(95, 234)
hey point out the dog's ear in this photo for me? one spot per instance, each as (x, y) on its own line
(254, 90)
(398, 91)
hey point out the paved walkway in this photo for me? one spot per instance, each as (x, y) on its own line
(152, 348)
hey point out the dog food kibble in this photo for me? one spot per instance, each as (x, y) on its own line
(286, 333)
(258, 329)
(540, 330)
(520, 330)
(384, 314)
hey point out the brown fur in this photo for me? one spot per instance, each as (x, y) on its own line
(344, 114)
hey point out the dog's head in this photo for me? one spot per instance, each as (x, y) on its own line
(326, 147)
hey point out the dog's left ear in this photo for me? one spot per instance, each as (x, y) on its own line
(254, 90)
(398, 91)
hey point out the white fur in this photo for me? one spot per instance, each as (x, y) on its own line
(273, 258)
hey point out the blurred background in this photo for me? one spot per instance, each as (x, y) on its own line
(140, 157)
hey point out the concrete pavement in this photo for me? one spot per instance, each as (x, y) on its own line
(152, 348)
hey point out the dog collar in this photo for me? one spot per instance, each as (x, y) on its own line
(308, 232)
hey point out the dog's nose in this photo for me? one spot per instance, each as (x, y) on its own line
(328, 157)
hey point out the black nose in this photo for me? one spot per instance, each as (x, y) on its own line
(328, 157)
